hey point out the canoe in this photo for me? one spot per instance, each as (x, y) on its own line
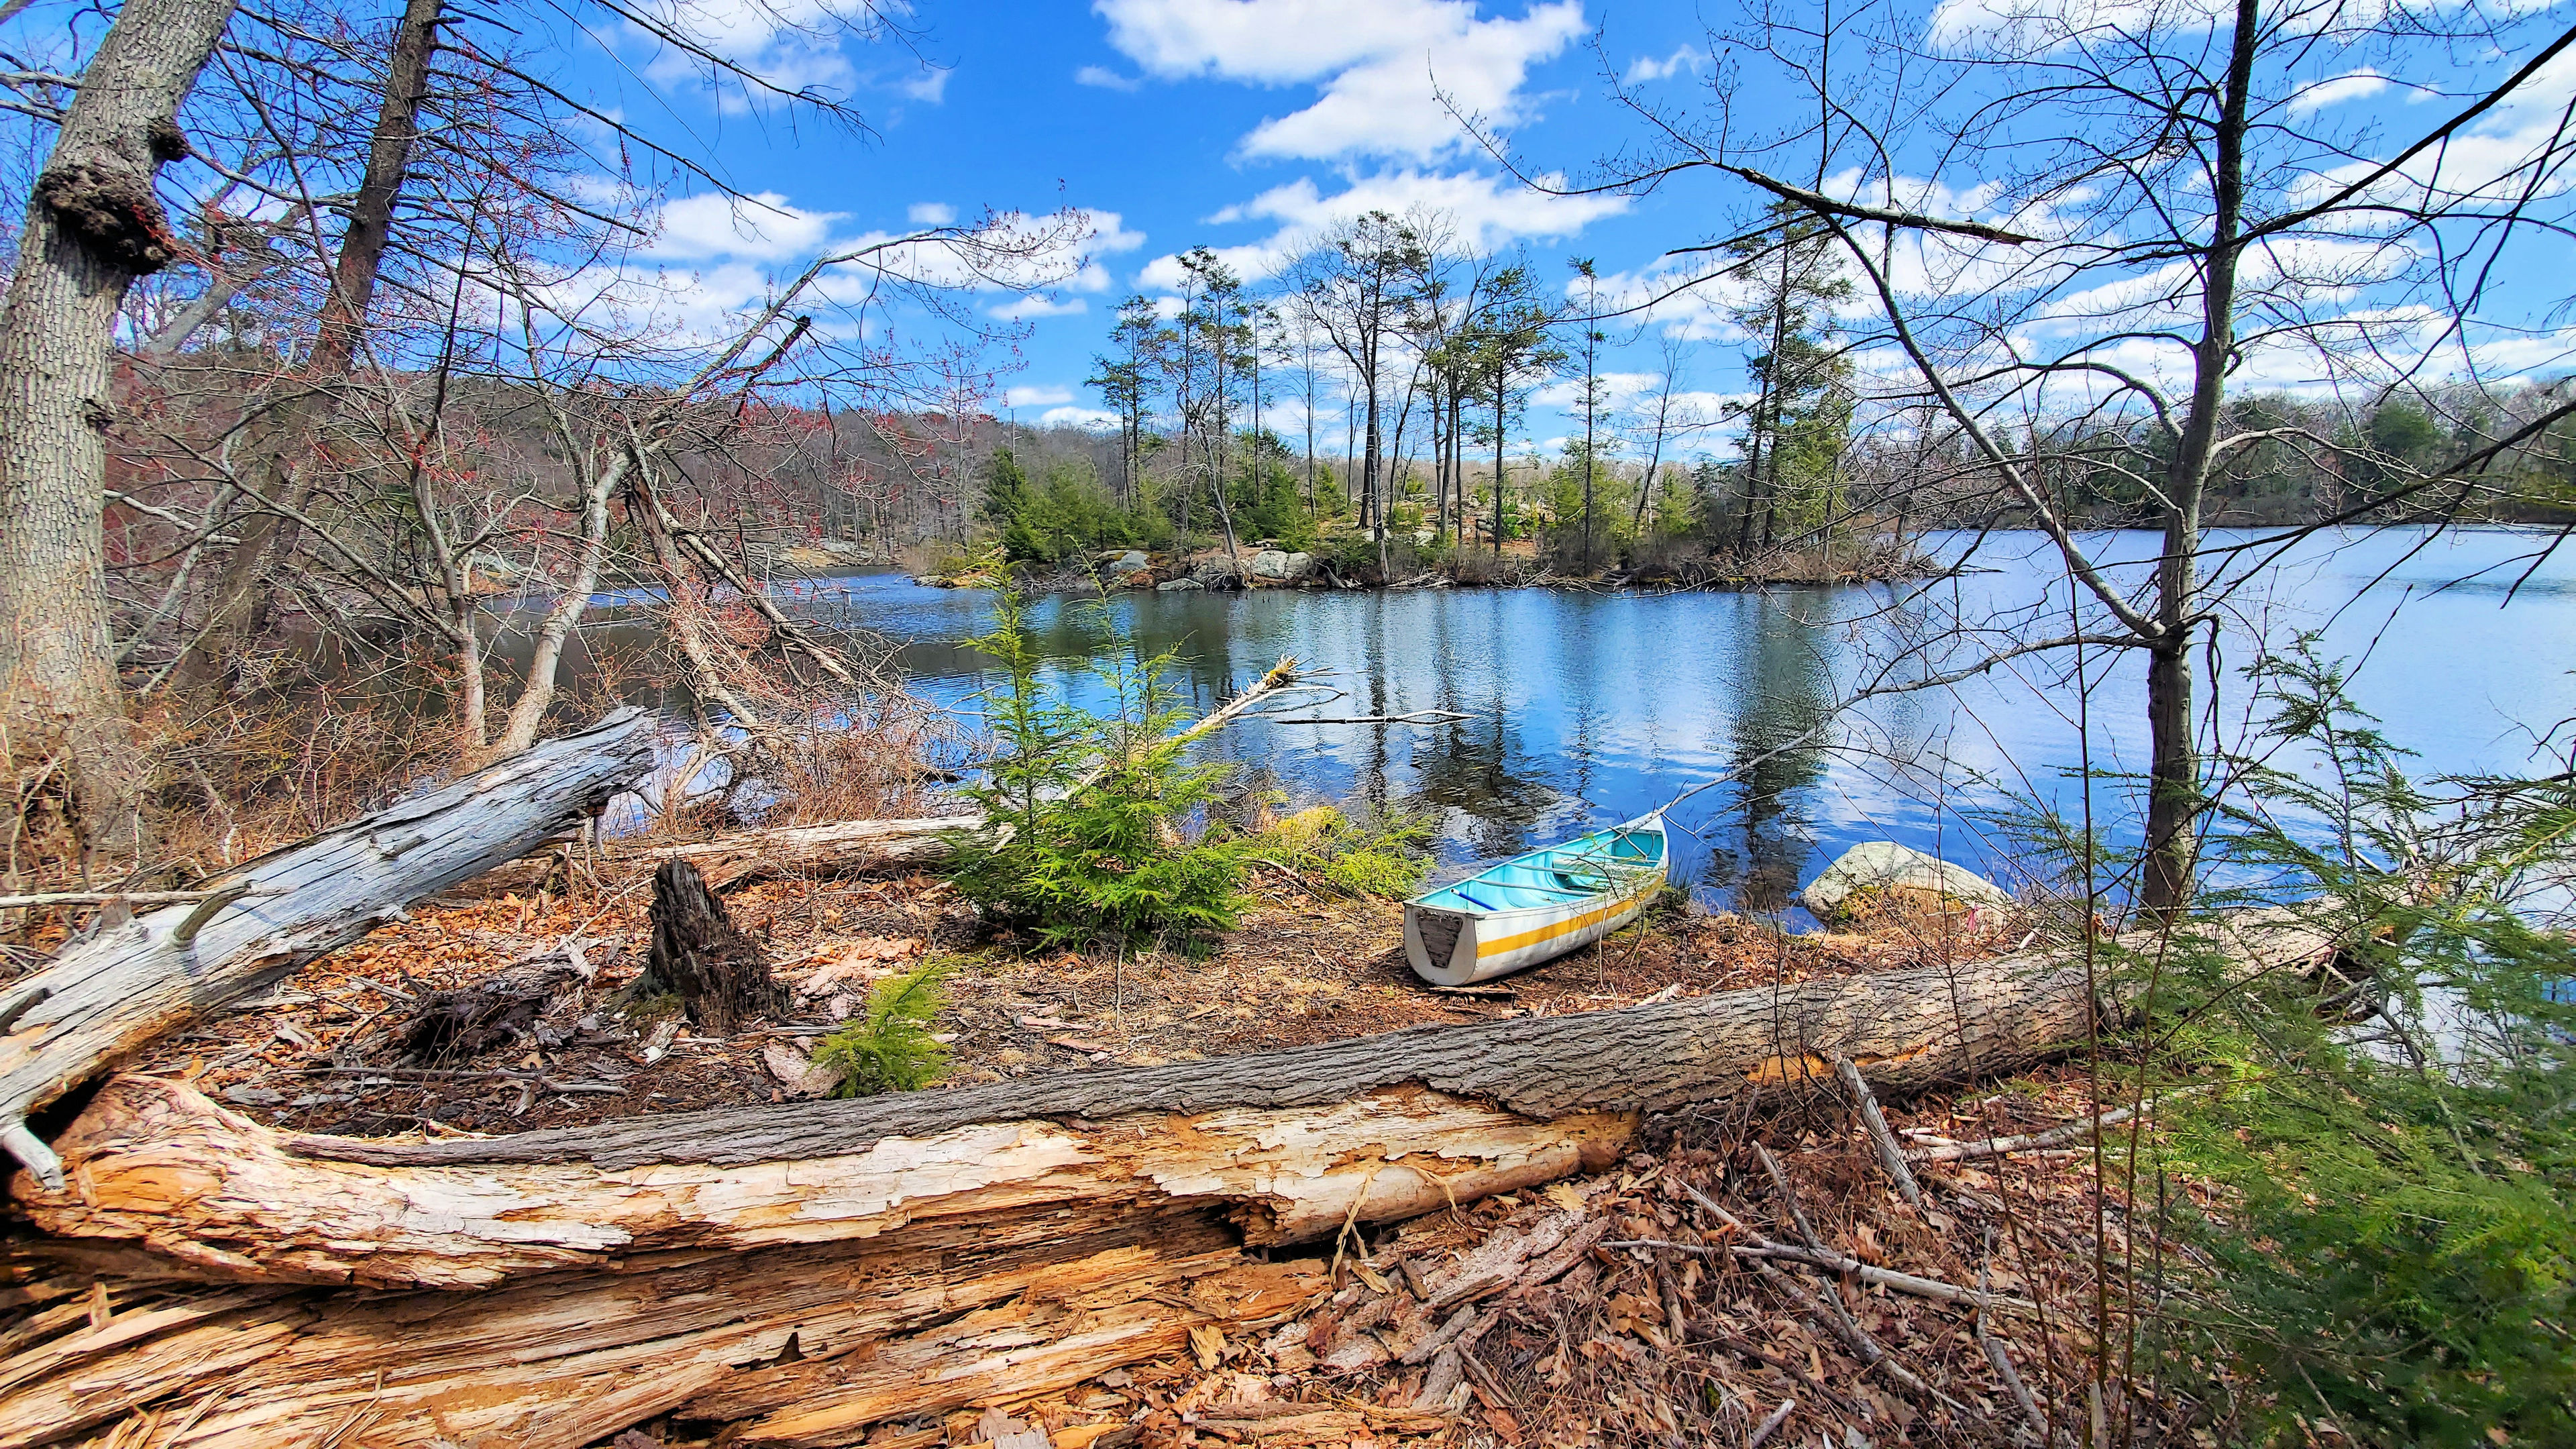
(1538, 906)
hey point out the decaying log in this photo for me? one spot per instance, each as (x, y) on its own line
(497, 1011)
(721, 974)
(847, 847)
(131, 983)
(928, 1250)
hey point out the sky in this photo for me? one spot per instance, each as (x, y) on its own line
(1250, 126)
(1244, 127)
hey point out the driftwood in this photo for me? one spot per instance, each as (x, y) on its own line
(136, 981)
(808, 1271)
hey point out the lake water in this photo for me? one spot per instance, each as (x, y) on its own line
(1584, 709)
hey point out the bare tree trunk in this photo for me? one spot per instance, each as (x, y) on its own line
(530, 711)
(93, 225)
(284, 434)
(2173, 803)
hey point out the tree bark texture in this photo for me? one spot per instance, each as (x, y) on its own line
(919, 1252)
(131, 983)
(93, 225)
(721, 974)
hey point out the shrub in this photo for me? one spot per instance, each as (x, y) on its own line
(1378, 855)
(1097, 810)
(2393, 1158)
(891, 1048)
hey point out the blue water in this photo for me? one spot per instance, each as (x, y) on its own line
(1584, 709)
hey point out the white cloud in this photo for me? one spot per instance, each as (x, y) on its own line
(1094, 419)
(1029, 396)
(930, 213)
(2354, 86)
(791, 44)
(1646, 68)
(1618, 389)
(1485, 211)
(1038, 304)
(1105, 78)
(1379, 63)
(762, 226)
(930, 85)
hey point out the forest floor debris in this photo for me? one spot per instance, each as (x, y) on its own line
(1616, 1308)
(324, 1050)
(1679, 1297)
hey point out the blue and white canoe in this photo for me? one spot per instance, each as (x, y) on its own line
(1538, 906)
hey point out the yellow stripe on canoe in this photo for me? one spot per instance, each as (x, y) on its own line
(1550, 933)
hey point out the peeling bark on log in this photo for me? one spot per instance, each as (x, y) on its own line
(721, 974)
(104, 997)
(934, 1250)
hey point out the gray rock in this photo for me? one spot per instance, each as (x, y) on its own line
(1174, 586)
(1277, 566)
(1880, 865)
(1129, 562)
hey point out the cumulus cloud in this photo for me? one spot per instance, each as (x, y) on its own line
(930, 85)
(1036, 396)
(1646, 68)
(1486, 211)
(1106, 79)
(1038, 304)
(1618, 389)
(1380, 64)
(762, 226)
(2352, 86)
(930, 213)
(794, 45)
(1090, 419)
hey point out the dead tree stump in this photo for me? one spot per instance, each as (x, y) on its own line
(720, 973)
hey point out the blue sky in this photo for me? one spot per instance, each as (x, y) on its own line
(1250, 125)
(1244, 127)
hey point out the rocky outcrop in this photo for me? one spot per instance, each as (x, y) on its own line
(1876, 868)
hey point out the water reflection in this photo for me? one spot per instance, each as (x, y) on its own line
(1584, 709)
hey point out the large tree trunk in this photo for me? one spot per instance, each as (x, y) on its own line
(139, 980)
(802, 1270)
(93, 225)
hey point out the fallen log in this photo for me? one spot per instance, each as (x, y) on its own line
(136, 981)
(808, 1271)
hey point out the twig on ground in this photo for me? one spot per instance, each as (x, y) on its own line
(1998, 1146)
(1771, 1425)
(1891, 1156)
(2001, 1359)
